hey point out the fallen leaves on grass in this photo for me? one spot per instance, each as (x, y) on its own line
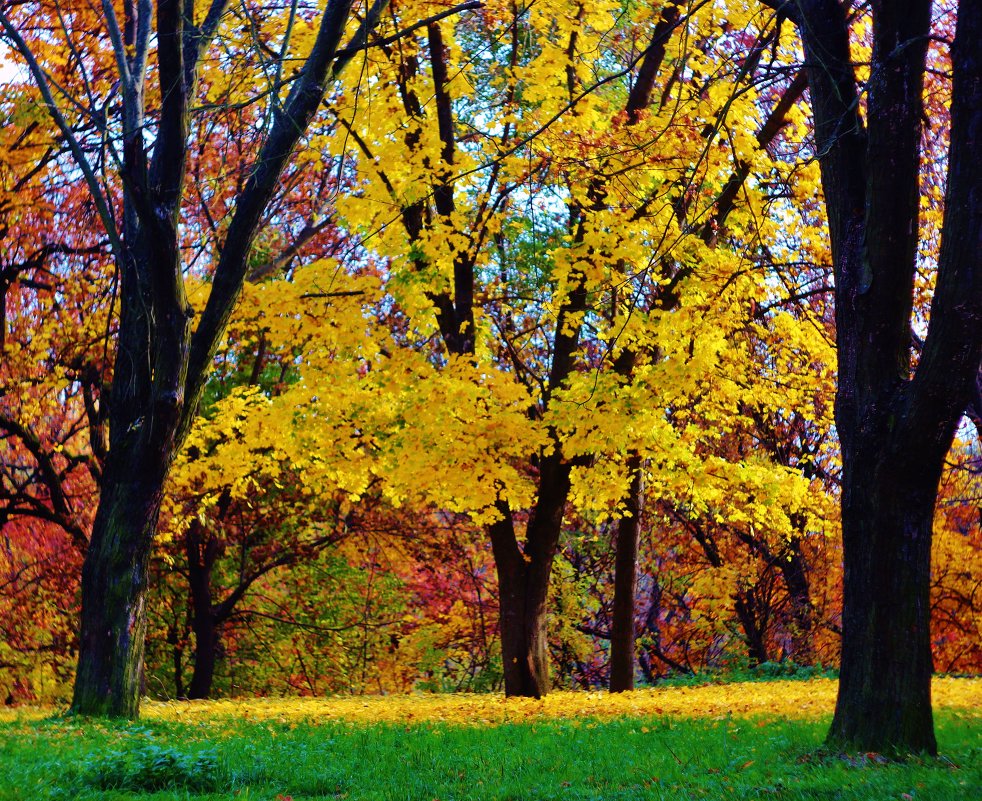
(785, 699)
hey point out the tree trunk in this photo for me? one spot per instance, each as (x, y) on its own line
(206, 639)
(160, 371)
(794, 573)
(895, 423)
(622, 633)
(753, 621)
(177, 654)
(884, 698)
(145, 408)
(201, 558)
(523, 581)
(114, 586)
(524, 633)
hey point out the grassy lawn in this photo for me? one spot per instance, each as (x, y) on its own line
(739, 741)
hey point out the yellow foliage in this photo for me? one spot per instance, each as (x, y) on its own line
(814, 699)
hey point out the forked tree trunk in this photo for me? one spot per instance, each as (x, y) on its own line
(622, 633)
(160, 371)
(895, 422)
(523, 580)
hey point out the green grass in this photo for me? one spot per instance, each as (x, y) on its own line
(765, 671)
(651, 758)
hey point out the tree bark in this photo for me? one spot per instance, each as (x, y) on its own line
(177, 655)
(523, 628)
(114, 588)
(753, 621)
(884, 701)
(795, 575)
(523, 581)
(622, 629)
(206, 639)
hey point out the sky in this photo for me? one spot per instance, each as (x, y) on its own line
(7, 69)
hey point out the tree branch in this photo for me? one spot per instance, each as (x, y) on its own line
(92, 182)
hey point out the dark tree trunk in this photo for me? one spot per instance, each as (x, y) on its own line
(885, 675)
(524, 632)
(160, 371)
(523, 581)
(622, 630)
(178, 655)
(114, 588)
(895, 425)
(753, 621)
(201, 559)
(206, 641)
(146, 404)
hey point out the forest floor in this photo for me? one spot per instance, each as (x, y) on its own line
(758, 740)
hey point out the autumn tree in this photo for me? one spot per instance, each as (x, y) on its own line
(895, 414)
(578, 292)
(776, 105)
(241, 505)
(50, 378)
(542, 222)
(162, 360)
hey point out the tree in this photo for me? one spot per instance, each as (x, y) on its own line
(162, 362)
(895, 417)
(622, 641)
(551, 218)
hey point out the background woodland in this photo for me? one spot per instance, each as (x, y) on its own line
(543, 280)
